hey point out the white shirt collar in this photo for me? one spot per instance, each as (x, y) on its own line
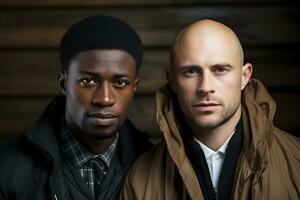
(208, 152)
(215, 159)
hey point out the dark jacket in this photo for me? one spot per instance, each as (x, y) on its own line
(268, 165)
(32, 165)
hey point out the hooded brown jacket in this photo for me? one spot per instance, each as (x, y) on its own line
(268, 166)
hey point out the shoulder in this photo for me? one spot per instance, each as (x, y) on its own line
(16, 155)
(11, 151)
(138, 181)
(17, 164)
(150, 162)
(285, 153)
(285, 162)
(11, 155)
(286, 142)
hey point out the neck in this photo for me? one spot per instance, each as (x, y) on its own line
(95, 145)
(214, 138)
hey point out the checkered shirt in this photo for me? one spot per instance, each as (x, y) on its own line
(84, 160)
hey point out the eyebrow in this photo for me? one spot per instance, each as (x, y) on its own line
(222, 64)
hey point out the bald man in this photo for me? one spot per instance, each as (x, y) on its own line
(219, 137)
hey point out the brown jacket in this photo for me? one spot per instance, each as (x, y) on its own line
(268, 167)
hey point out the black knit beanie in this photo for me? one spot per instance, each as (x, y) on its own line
(100, 32)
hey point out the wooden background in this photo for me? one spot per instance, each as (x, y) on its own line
(30, 32)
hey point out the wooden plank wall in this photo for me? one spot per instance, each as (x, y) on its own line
(30, 32)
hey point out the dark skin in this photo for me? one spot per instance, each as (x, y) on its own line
(99, 88)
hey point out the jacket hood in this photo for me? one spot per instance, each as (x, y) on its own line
(170, 127)
(258, 104)
(168, 123)
(258, 110)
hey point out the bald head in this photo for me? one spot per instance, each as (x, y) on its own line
(208, 76)
(208, 38)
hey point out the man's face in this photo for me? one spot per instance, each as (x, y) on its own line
(100, 85)
(207, 78)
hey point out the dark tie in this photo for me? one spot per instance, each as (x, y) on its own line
(99, 168)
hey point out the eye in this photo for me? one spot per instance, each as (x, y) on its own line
(121, 83)
(87, 82)
(221, 69)
(191, 72)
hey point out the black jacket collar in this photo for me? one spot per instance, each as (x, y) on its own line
(44, 134)
(198, 160)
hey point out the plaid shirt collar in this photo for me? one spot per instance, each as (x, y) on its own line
(79, 155)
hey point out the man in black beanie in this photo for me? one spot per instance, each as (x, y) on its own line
(83, 144)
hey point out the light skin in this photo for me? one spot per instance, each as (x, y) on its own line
(99, 88)
(208, 75)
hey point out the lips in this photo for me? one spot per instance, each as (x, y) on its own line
(206, 106)
(103, 118)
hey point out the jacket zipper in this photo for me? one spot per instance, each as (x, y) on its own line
(215, 194)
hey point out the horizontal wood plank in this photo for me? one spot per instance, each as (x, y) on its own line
(92, 3)
(288, 108)
(18, 114)
(197, 2)
(83, 3)
(255, 25)
(72, 3)
(275, 67)
(34, 72)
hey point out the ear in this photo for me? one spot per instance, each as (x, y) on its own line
(62, 81)
(246, 74)
(169, 73)
(136, 83)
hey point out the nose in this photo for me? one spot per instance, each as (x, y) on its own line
(103, 95)
(205, 84)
